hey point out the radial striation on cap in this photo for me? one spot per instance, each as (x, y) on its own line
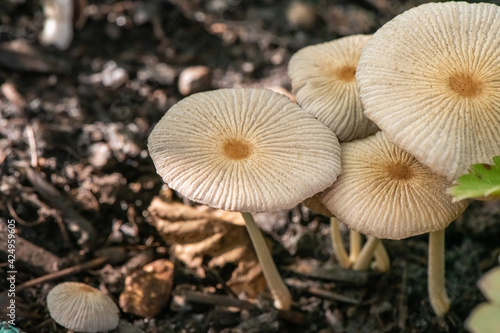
(248, 150)
(323, 80)
(82, 308)
(385, 192)
(430, 79)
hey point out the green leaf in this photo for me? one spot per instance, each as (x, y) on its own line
(485, 318)
(482, 182)
(490, 286)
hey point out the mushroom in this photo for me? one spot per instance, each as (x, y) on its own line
(385, 192)
(82, 308)
(248, 150)
(382, 261)
(429, 79)
(323, 80)
(58, 27)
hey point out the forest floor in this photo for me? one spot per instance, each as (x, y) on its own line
(77, 180)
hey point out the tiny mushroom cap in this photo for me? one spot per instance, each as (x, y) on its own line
(430, 79)
(82, 308)
(323, 80)
(385, 192)
(249, 150)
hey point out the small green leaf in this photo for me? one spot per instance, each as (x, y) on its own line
(490, 286)
(482, 182)
(485, 318)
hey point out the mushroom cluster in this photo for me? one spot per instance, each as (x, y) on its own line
(408, 110)
(429, 80)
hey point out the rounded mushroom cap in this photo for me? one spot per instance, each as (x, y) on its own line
(81, 308)
(248, 150)
(430, 79)
(323, 80)
(385, 192)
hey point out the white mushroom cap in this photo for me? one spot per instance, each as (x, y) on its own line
(430, 79)
(249, 150)
(323, 80)
(385, 192)
(82, 308)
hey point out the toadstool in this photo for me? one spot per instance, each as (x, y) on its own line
(58, 27)
(385, 192)
(429, 79)
(248, 150)
(323, 79)
(82, 308)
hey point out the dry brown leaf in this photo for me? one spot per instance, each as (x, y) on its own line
(199, 232)
(147, 290)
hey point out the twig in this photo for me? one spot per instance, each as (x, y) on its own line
(71, 270)
(38, 259)
(32, 145)
(81, 228)
(221, 300)
(332, 295)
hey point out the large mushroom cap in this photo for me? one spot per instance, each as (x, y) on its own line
(248, 150)
(430, 79)
(385, 192)
(323, 80)
(82, 308)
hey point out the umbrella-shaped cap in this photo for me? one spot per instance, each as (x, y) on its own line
(323, 80)
(82, 308)
(385, 192)
(430, 79)
(248, 150)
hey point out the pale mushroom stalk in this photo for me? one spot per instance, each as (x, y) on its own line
(338, 248)
(366, 255)
(382, 261)
(354, 245)
(281, 293)
(435, 274)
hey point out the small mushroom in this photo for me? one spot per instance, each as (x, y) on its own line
(82, 308)
(323, 80)
(385, 192)
(429, 79)
(248, 150)
(58, 27)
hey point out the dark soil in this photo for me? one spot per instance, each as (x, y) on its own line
(73, 153)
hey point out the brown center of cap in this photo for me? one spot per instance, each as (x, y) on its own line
(465, 85)
(346, 73)
(400, 171)
(237, 149)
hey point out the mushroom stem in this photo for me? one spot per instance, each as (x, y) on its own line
(365, 257)
(354, 244)
(435, 274)
(382, 262)
(281, 294)
(338, 247)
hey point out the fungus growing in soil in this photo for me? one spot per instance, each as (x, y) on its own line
(323, 78)
(248, 150)
(429, 79)
(385, 192)
(58, 27)
(82, 308)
